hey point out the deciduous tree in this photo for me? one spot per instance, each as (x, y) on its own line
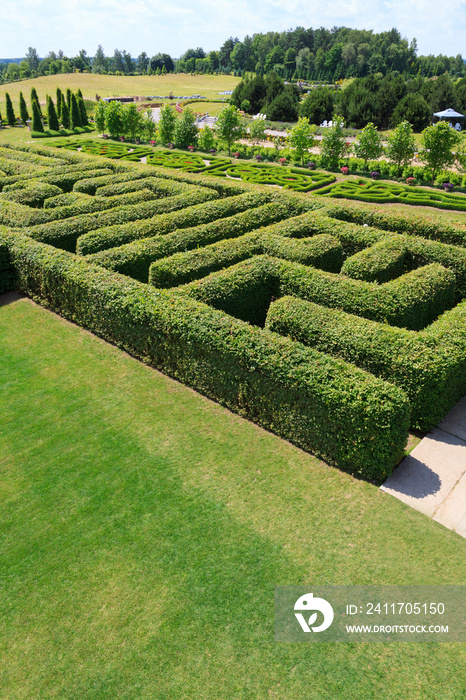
(438, 142)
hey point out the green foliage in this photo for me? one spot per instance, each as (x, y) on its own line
(256, 129)
(414, 109)
(75, 115)
(52, 118)
(387, 192)
(100, 116)
(333, 145)
(185, 132)
(318, 106)
(401, 146)
(131, 120)
(114, 118)
(433, 379)
(166, 124)
(438, 142)
(65, 114)
(23, 109)
(368, 145)
(82, 109)
(228, 125)
(36, 118)
(206, 139)
(10, 113)
(301, 138)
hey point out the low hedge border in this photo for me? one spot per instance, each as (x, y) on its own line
(434, 378)
(33, 195)
(341, 413)
(135, 258)
(205, 212)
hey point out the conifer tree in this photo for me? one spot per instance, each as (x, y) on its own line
(10, 113)
(75, 116)
(68, 98)
(52, 115)
(65, 113)
(35, 98)
(59, 96)
(23, 110)
(82, 109)
(36, 118)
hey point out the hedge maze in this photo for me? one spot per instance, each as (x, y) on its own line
(333, 329)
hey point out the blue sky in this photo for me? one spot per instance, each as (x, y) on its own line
(173, 26)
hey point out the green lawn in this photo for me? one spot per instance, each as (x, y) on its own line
(143, 529)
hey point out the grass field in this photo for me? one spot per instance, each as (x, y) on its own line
(144, 528)
(180, 84)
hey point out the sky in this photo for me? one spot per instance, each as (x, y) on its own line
(174, 26)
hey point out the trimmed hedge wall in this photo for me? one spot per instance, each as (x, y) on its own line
(382, 262)
(134, 259)
(321, 251)
(323, 404)
(434, 378)
(411, 301)
(7, 270)
(411, 224)
(118, 235)
(65, 232)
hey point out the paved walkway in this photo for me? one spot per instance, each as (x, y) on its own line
(432, 479)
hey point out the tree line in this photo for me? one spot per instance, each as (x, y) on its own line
(326, 55)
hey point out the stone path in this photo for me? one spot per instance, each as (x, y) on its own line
(432, 479)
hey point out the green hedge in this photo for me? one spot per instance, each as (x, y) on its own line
(387, 220)
(8, 279)
(343, 414)
(411, 301)
(65, 233)
(134, 259)
(434, 378)
(33, 195)
(206, 212)
(382, 262)
(321, 251)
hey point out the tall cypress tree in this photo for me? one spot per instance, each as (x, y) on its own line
(82, 110)
(68, 98)
(10, 113)
(59, 96)
(23, 110)
(65, 113)
(75, 116)
(52, 115)
(1, 120)
(36, 118)
(35, 98)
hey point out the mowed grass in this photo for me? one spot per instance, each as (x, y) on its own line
(180, 84)
(143, 529)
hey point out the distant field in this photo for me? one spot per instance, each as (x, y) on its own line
(179, 84)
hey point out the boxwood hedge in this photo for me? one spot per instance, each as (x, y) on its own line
(134, 259)
(111, 236)
(434, 378)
